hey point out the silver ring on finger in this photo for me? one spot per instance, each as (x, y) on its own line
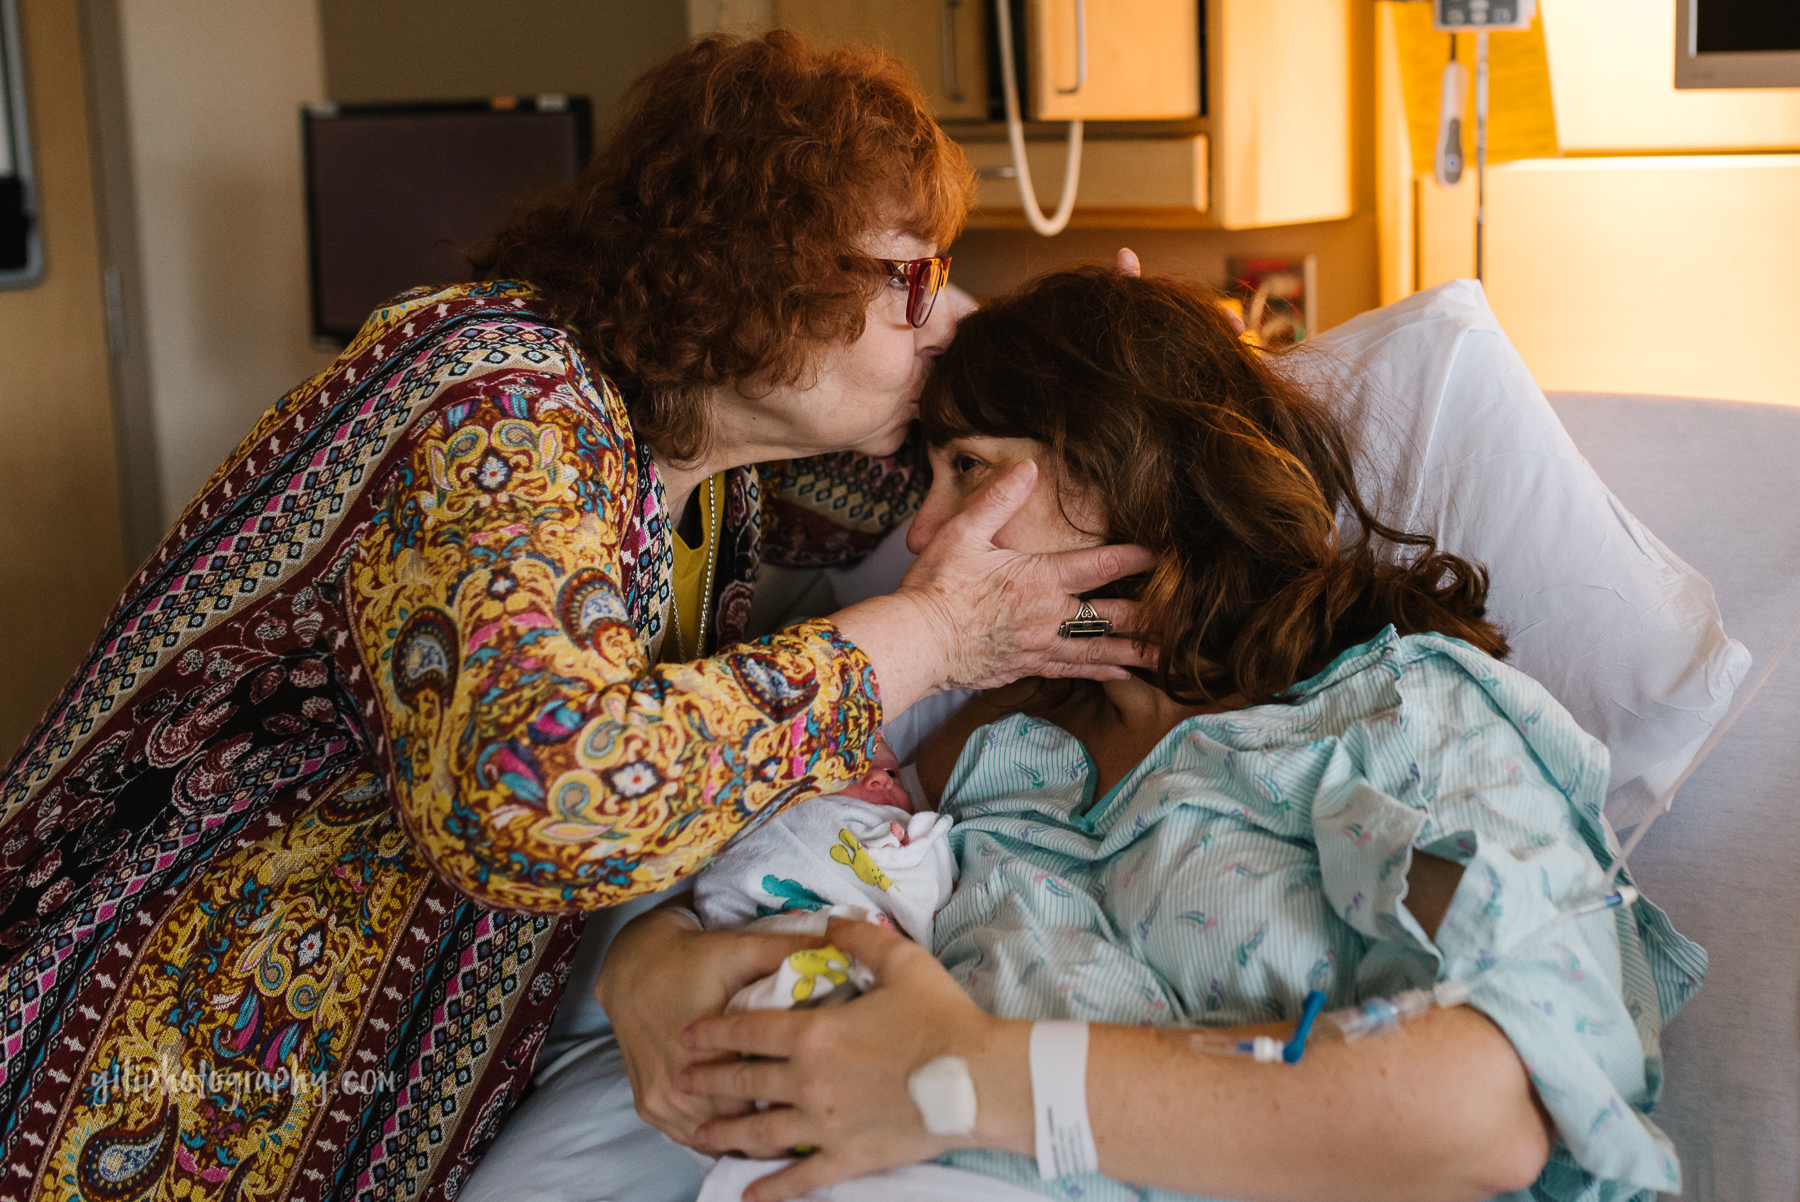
(1086, 624)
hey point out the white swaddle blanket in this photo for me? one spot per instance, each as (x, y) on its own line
(831, 856)
(578, 1138)
(834, 856)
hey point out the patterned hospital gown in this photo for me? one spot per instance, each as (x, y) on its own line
(1256, 855)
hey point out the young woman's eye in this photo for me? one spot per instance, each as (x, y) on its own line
(962, 465)
(898, 283)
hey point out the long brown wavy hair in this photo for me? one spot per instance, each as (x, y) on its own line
(1197, 448)
(716, 238)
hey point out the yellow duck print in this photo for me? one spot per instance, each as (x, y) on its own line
(827, 962)
(848, 851)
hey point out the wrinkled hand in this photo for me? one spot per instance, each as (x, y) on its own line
(661, 974)
(837, 1076)
(1128, 262)
(995, 612)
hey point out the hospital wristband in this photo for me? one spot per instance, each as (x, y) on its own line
(1065, 1138)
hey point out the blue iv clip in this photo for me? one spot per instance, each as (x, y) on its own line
(1296, 1047)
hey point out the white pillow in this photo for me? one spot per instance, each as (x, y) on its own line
(1457, 441)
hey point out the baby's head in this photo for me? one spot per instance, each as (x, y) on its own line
(881, 784)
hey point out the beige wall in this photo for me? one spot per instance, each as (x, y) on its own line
(461, 49)
(213, 95)
(1612, 66)
(1646, 259)
(61, 561)
(1672, 275)
(991, 261)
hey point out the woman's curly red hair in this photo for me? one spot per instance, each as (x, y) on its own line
(707, 243)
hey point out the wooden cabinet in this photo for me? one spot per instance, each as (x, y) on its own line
(1225, 113)
(1278, 78)
(1097, 60)
(943, 41)
(1113, 60)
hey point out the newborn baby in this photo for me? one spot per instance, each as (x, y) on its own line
(862, 852)
(868, 851)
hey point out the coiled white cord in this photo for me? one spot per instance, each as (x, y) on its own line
(1015, 134)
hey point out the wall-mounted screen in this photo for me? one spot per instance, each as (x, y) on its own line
(397, 194)
(1737, 44)
(21, 252)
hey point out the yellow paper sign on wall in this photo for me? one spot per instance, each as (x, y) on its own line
(1521, 116)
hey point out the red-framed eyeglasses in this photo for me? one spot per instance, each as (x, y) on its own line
(925, 278)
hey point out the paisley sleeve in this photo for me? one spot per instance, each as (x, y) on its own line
(537, 758)
(830, 510)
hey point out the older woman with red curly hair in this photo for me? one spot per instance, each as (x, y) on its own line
(448, 653)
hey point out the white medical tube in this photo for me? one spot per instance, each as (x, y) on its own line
(1264, 1049)
(1015, 135)
(1384, 1014)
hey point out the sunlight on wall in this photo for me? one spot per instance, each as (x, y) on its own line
(61, 558)
(1672, 275)
(1612, 68)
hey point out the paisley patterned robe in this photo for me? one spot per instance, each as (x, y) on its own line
(288, 873)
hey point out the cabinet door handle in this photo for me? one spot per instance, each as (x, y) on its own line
(951, 90)
(1080, 49)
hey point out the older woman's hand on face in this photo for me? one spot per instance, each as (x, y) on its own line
(971, 613)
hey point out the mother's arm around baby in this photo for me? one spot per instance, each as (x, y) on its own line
(1443, 1111)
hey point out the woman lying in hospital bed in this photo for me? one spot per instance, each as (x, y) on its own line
(1330, 784)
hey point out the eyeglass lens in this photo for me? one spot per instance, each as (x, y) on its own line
(925, 279)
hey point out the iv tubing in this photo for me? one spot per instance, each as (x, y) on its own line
(1376, 1015)
(1296, 1047)
(1015, 134)
(1264, 1049)
(1379, 1014)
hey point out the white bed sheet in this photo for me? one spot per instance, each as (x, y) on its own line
(1719, 482)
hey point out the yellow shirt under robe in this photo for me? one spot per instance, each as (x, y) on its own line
(686, 639)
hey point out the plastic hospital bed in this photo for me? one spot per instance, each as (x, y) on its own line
(1719, 482)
